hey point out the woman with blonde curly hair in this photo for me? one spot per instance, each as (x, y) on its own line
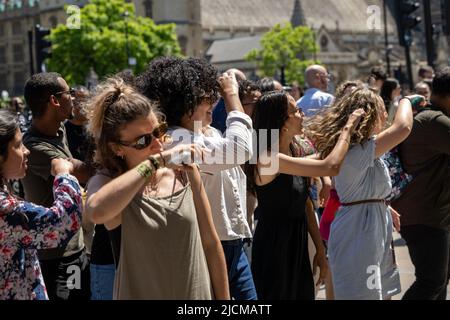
(169, 248)
(359, 247)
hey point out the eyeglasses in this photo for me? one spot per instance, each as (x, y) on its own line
(145, 140)
(71, 91)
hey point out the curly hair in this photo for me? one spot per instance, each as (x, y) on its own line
(246, 87)
(325, 128)
(341, 90)
(179, 85)
(114, 105)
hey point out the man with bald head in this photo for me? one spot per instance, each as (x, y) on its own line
(238, 73)
(316, 97)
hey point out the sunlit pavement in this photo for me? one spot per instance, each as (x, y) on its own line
(406, 269)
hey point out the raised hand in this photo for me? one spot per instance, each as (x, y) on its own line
(184, 156)
(417, 101)
(355, 118)
(228, 84)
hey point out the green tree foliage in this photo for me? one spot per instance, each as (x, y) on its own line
(100, 43)
(288, 47)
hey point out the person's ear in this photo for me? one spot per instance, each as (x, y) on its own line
(116, 149)
(54, 101)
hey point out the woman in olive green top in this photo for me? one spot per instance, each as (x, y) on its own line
(169, 247)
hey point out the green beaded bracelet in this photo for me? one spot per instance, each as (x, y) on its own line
(144, 170)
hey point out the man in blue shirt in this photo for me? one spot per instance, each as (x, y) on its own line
(316, 97)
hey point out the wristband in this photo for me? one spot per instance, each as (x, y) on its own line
(144, 170)
(154, 162)
(414, 101)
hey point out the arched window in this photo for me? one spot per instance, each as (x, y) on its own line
(324, 43)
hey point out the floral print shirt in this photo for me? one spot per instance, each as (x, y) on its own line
(26, 227)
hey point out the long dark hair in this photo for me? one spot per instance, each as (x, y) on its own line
(271, 112)
(389, 85)
(266, 84)
(9, 123)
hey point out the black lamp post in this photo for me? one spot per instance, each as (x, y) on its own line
(126, 14)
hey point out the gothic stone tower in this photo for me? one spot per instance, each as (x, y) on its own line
(186, 14)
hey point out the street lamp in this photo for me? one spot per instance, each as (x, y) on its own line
(126, 15)
(387, 47)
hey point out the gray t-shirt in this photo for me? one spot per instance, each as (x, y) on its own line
(38, 183)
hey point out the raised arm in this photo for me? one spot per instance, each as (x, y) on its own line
(235, 146)
(210, 240)
(329, 166)
(232, 149)
(107, 197)
(229, 90)
(398, 131)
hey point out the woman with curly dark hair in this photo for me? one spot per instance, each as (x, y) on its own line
(186, 90)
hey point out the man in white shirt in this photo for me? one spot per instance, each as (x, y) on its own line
(186, 90)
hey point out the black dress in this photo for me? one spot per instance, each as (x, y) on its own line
(280, 261)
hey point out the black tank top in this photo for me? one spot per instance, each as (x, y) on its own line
(115, 235)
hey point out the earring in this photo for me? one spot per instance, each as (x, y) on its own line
(285, 129)
(121, 156)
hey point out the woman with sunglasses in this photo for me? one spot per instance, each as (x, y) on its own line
(26, 227)
(280, 258)
(169, 248)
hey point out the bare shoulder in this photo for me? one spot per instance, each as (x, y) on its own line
(97, 181)
(265, 172)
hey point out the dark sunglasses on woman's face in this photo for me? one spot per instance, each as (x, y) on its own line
(145, 140)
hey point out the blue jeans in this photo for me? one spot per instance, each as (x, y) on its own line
(240, 277)
(102, 281)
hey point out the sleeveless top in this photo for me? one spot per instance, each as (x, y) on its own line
(161, 254)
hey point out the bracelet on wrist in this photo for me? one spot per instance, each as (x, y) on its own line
(154, 162)
(145, 170)
(414, 101)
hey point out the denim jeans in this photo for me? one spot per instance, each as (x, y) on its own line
(240, 277)
(429, 250)
(102, 281)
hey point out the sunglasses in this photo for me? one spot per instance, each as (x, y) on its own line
(71, 91)
(142, 142)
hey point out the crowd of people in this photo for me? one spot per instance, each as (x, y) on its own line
(186, 183)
